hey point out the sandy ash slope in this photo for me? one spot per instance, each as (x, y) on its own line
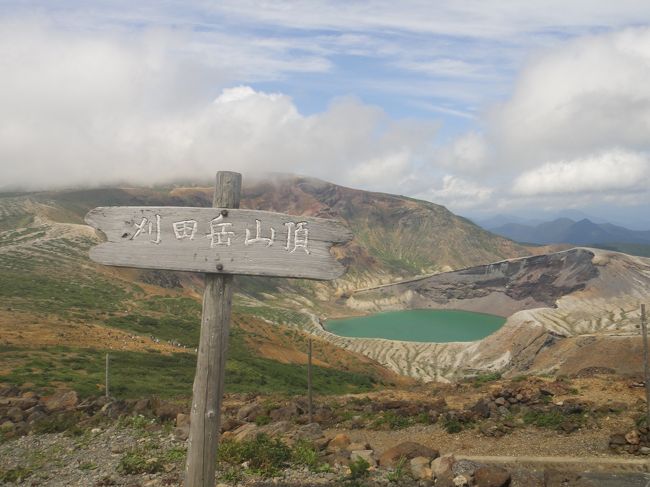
(565, 312)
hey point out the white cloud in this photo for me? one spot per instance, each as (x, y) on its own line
(458, 193)
(80, 109)
(606, 172)
(584, 97)
(467, 153)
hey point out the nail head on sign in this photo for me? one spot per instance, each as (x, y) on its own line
(224, 213)
(219, 267)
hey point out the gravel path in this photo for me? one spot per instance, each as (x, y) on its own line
(526, 442)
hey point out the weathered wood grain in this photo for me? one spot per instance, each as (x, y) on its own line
(209, 378)
(218, 240)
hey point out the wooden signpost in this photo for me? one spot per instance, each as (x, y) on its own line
(221, 242)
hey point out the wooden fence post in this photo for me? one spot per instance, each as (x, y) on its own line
(309, 385)
(646, 369)
(207, 391)
(106, 390)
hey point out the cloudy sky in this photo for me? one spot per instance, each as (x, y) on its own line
(484, 106)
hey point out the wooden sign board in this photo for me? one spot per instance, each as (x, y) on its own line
(219, 242)
(215, 240)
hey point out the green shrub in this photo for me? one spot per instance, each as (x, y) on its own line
(14, 474)
(305, 453)
(359, 468)
(59, 423)
(136, 462)
(452, 425)
(544, 419)
(481, 379)
(265, 456)
(393, 420)
(231, 475)
(262, 419)
(398, 474)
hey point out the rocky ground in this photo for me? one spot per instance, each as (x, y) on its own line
(431, 435)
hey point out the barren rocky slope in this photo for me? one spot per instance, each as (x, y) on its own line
(566, 311)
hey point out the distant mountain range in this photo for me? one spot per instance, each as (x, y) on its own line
(566, 230)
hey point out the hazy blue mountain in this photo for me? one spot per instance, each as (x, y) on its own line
(566, 230)
(504, 219)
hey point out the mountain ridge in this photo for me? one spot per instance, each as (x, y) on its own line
(566, 230)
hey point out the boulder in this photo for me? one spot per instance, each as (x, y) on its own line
(489, 476)
(114, 409)
(249, 412)
(230, 424)
(408, 450)
(25, 402)
(247, 431)
(461, 481)
(339, 442)
(284, 414)
(141, 406)
(617, 439)
(60, 401)
(276, 429)
(632, 437)
(464, 467)
(481, 409)
(166, 411)
(421, 468)
(15, 414)
(182, 419)
(442, 466)
(35, 417)
(311, 431)
(339, 458)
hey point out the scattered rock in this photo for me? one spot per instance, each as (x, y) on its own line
(421, 468)
(489, 476)
(277, 429)
(60, 400)
(311, 431)
(464, 467)
(442, 466)
(408, 450)
(230, 424)
(182, 420)
(247, 431)
(166, 411)
(339, 442)
(632, 437)
(358, 446)
(249, 412)
(284, 414)
(617, 439)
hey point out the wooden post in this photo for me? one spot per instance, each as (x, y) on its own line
(309, 387)
(106, 392)
(207, 391)
(646, 369)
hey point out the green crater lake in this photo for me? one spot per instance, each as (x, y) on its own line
(419, 325)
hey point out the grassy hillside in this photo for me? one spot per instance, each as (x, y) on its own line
(60, 312)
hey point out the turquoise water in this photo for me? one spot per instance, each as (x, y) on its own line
(419, 325)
